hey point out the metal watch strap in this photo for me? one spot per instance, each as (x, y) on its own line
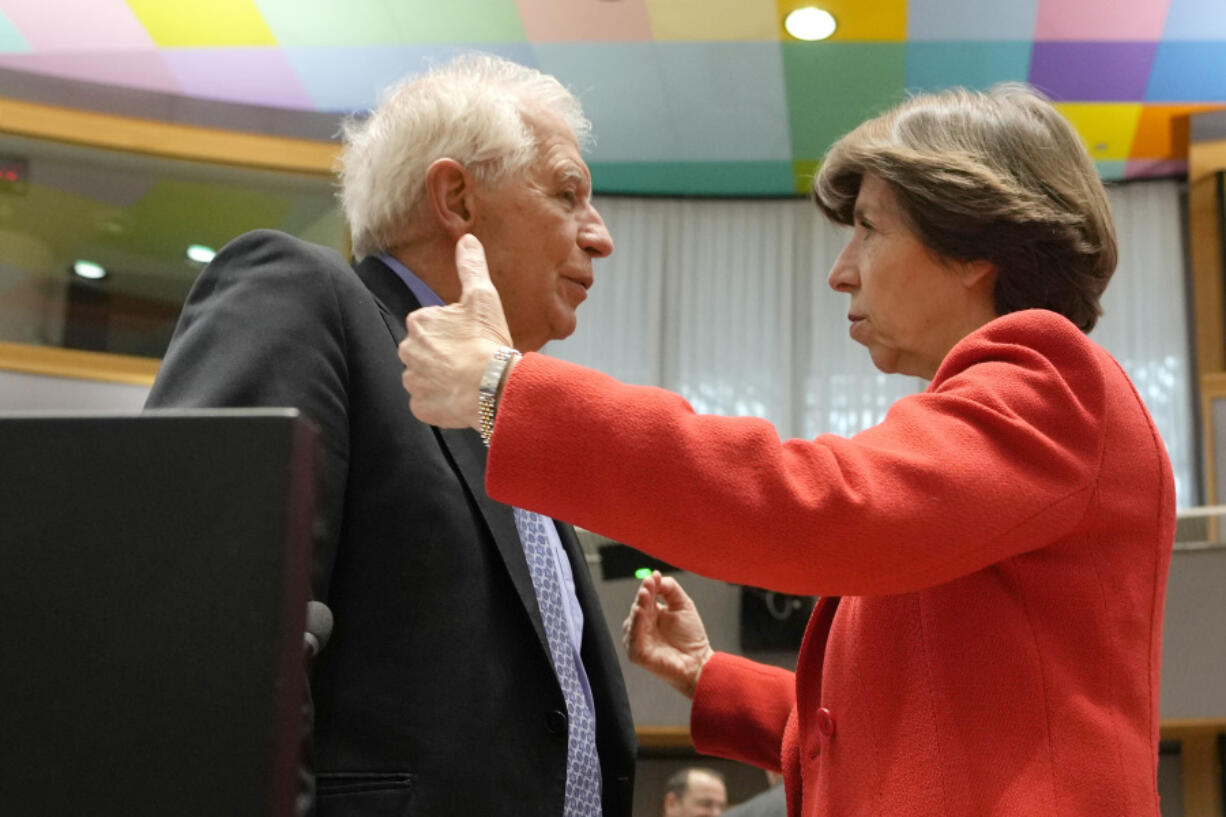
(487, 393)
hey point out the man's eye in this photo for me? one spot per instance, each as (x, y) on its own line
(570, 196)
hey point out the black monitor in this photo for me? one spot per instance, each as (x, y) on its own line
(153, 579)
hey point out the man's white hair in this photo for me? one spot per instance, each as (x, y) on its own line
(471, 110)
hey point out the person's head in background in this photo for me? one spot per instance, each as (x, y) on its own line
(695, 791)
(483, 146)
(966, 206)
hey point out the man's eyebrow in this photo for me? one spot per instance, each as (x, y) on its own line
(573, 175)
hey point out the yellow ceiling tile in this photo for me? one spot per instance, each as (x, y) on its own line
(858, 20)
(707, 20)
(189, 23)
(1106, 128)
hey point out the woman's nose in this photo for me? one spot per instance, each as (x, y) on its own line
(843, 276)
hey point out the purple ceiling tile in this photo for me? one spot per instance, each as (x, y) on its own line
(1092, 71)
(255, 76)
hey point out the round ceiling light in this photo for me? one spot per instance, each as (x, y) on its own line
(88, 269)
(200, 253)
(810, 23)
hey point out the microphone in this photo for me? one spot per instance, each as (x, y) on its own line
(318, 627)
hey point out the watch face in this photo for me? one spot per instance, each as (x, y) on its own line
(493, 371)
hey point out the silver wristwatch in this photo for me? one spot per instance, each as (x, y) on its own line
(491, 386)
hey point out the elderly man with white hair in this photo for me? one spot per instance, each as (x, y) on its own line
(470, 671)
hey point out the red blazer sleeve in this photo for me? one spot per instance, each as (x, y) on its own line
(997, 457)
(741, 709)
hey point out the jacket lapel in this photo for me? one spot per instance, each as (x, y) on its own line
(464, 445)
(468, 453)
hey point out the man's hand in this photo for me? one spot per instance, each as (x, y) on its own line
(665, 635)
(448, 347)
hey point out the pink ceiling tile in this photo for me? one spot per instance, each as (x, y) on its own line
(72, 25)
(573, 20)
(1141, 20)
(131, 69)
(1155, 168)
(255, 76)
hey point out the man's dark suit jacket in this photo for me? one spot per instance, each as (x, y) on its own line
(436, 694)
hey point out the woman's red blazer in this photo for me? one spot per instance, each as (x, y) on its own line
(993, 558)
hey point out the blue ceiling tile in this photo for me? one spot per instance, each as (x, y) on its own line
(728, 100)
(349, 79)
(622, 89)
(971, 20)
(933, 66)
(1195, 20)
(1188, 72)
(678, 101)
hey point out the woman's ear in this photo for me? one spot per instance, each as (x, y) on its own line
(449, 197)
(977, 274)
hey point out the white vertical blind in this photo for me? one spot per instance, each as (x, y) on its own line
(726, 303)
(1144, 323)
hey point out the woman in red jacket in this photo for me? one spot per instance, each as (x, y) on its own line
(992, 557)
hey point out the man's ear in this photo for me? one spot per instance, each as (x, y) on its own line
(449, 197)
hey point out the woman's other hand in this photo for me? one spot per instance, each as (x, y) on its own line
(665, 635)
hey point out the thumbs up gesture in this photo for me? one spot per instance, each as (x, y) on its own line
(448, 347)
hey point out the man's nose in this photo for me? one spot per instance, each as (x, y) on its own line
(594, 236)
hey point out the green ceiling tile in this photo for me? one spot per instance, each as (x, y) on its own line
(11, 41)
(832, 87)
(457, 21)
(1110, 170)
(330, 22)
(693, 178)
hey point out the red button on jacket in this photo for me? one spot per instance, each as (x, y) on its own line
(825, 722)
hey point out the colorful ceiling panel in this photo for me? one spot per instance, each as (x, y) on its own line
(686, 96)
(1089, 20)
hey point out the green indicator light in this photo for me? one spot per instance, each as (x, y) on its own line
(642, 573)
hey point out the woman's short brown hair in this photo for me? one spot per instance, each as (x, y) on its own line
(998, 176)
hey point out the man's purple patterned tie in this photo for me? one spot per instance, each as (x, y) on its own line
(582, 762)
